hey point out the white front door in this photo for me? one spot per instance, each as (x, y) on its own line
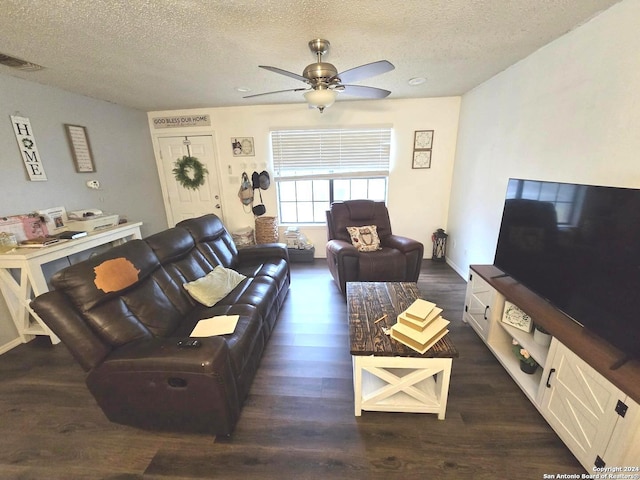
(182, 203)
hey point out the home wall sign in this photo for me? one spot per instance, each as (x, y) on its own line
(80, 148)
(28, 148)
(182, 121)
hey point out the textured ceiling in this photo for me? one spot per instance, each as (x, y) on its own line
(172, 54)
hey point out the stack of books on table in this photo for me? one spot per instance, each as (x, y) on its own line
(420, 326)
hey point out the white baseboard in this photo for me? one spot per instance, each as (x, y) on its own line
(464, 273)
(9, 345)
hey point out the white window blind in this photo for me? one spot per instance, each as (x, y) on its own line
(328, 153)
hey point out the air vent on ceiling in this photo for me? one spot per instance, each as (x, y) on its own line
(14, 62)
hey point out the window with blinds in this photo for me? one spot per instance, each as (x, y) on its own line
(313, 168)
(327, 153)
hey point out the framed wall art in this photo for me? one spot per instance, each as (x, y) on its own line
(28, 149)
(421, 159)
(422, 145)
(242, 146)
(80, 148)
(423, 139)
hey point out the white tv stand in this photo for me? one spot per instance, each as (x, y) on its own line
(592, 408)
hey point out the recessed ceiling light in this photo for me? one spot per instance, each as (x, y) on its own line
(417, 81)
(243, 89)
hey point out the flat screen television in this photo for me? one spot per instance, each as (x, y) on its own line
(577, 246)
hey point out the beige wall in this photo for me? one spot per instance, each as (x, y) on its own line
(417, 199)
(569, 112)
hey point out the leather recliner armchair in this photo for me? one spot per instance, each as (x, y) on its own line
(398, 260)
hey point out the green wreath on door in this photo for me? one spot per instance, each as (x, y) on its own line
(190, 172)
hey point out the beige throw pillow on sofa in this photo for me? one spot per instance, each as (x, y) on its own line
(365, 238)
(214, 286)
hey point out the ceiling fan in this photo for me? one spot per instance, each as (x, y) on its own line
(325, 82)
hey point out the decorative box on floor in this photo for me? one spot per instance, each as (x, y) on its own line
(243, 237)
(298, 255)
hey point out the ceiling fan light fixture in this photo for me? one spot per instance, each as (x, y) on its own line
(324, 82)
(321, 98)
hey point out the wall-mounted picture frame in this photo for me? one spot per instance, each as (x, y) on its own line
(423, 139)
(80, 148)
(515, 317)
(28, 148)
(242, 147)
(421, 159)
(422, 145)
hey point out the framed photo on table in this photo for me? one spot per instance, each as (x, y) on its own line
(80, 148)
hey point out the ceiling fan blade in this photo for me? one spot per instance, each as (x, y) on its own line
(277, 91)
(284, 72)
(365, 71)
(366, 92)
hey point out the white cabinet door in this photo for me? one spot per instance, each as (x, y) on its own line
(580, 404)
(624, 447)
(479, 301)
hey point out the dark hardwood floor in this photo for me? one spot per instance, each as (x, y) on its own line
(298, 421)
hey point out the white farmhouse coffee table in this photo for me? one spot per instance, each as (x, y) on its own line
(387, 375)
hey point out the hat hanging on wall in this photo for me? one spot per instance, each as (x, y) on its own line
(264, 180)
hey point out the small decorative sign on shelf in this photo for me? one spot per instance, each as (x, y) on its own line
(515, 317)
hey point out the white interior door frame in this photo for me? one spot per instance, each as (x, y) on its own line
(212, 165)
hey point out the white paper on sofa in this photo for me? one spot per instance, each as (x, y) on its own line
(218, 325)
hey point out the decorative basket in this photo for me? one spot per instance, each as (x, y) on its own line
(266, 230)
(243, 237)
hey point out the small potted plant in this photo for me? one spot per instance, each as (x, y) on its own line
(527, 364)
(541, 336)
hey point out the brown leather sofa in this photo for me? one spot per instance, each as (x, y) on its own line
(398, 260)
(125, 331)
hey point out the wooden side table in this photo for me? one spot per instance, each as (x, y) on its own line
(387, 375)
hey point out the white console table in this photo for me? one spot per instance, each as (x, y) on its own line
(30, 281)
